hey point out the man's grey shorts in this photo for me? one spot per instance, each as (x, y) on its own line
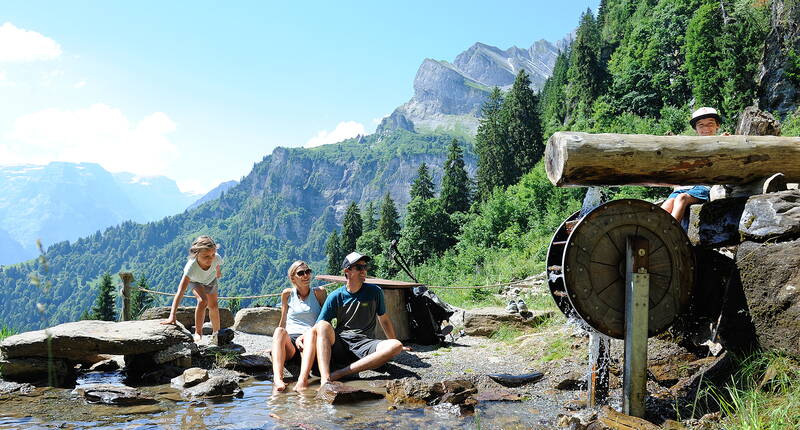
(205, 288)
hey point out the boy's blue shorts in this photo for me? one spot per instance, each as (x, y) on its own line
(700, 192)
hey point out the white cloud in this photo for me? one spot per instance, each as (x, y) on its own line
(50, 77)
(344, 130)
(99, 134)
(20, 45)
(80, 84)
(192, 186)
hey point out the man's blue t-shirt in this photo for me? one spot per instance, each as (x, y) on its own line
(354, 312)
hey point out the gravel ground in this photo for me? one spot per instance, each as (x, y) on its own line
(471, 356)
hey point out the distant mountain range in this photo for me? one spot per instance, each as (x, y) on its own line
(449, 96)
(64, 201)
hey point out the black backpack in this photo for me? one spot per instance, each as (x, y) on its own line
(426, 312)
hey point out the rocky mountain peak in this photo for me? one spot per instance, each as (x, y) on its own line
(450, 95)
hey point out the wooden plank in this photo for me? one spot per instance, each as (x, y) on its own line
(573, 158)
(383, 283)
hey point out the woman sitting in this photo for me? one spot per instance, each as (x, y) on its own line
(294, 337)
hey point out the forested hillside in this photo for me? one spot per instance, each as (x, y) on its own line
(282, 211)
(633, 67)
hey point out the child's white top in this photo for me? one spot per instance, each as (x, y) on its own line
(197, 274)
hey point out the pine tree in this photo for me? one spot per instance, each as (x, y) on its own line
(585, 72)
(388, 224)
(551, 101)
(140, 301)
(333, 250)
(104, 308)
(524, 128)
(422, 186)
(489, 145)
(424, 232)
(352, 227)
(370, 223)
(703, 56)
(456, 186)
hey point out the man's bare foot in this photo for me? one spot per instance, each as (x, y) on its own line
(279, 385)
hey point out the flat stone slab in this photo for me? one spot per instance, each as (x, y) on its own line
(7, 387)
(486, 321)
(337, 393)
(257, 320)
(80, 339)
(185, 315)
(113, 395)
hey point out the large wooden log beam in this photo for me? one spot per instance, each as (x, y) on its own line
(573, 158)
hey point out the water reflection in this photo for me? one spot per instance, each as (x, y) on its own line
(260, 408)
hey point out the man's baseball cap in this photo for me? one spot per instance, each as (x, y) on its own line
(353, 258)
(704, 112)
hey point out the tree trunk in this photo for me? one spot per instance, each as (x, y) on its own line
(573, 158)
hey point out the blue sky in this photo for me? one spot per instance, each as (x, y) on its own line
(198, 91)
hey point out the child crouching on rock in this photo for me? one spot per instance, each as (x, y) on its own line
(200, 274)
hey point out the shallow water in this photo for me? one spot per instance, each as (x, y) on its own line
(59, 408)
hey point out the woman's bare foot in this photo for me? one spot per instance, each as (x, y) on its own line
(279, 385)
(301, 385)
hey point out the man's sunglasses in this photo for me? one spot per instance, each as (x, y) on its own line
(359, 267)
(303, 272)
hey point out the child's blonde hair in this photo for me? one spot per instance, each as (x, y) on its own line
(201, 243)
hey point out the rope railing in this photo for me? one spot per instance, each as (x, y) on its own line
(221, 298)
(519, 284)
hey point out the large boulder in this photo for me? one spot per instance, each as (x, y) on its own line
(257, 320)
(715, 224)
(486, 321)
(185, 315)
(77, 340)
(770, 276)
(774, 215)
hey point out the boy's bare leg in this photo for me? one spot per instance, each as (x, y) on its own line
(281, 349)
(667, 205)
(308, 355)
(681, 203)
(325, 338)
(383, 353)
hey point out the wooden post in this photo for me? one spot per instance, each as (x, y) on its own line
(395, 301)
(637, 307)
(638, 159)
(127, 279)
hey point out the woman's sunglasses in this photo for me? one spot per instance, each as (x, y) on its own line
(303, 272)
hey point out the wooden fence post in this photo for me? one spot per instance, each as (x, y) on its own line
(127, 278)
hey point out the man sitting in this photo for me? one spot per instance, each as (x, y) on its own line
(356, 306)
